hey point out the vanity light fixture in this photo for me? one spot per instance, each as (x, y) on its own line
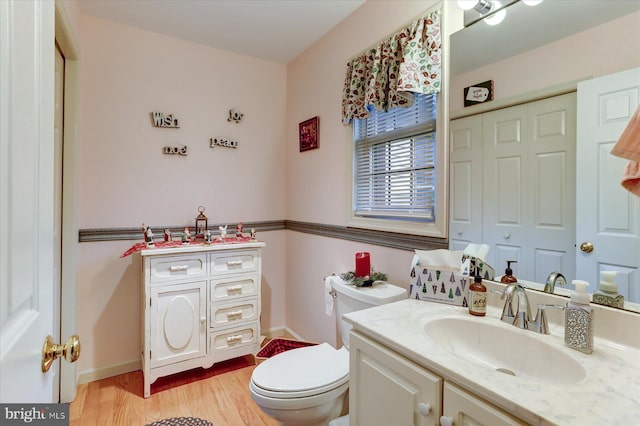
(491, 11)
(480, 6)
(498, 16)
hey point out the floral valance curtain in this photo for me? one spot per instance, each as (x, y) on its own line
(385, 76)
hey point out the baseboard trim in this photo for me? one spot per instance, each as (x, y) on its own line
(109, 371)
(282, 331)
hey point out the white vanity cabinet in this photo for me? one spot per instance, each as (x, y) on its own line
(388, 389)
(200, 305)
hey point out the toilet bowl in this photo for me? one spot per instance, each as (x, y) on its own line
(309, 386)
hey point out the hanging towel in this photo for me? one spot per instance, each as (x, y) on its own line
(628, 146)
(631, 177)
(328, 296)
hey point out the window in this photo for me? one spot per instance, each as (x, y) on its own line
(394, 176)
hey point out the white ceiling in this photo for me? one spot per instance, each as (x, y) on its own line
(275, 30)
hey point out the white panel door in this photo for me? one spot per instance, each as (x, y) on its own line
(607, 216)
(505, 188)
(178, 323)
(465, 194)
(386, 389)
(26, 199)
(529, 187)
(551, 166)
(466, 409)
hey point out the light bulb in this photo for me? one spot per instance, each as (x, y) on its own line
(532, 2)
(467, 4)
(497, 17)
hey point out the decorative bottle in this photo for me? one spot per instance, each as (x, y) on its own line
(607, 294)
(508, 277)
(578, 320)
(478, 297)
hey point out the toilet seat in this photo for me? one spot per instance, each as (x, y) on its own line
(302, 372)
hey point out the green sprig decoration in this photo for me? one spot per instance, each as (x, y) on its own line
(350, 277)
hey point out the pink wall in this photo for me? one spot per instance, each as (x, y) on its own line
(126, 74)
(318, 180)
(605, 49)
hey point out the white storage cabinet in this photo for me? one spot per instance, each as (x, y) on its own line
(200, 305)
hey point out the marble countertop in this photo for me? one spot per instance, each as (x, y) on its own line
(608, 395)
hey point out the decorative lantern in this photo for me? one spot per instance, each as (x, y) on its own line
(202, 222)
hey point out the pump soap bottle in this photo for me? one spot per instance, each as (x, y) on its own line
(578, 319)
(508, 277)
(478, 297)
(607, 294)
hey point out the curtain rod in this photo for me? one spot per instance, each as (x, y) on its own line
(421, 15)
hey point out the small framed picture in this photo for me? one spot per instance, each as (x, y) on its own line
(309, 134)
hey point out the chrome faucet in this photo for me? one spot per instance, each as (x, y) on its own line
(517, 317)
(521, 318)
(553, 279)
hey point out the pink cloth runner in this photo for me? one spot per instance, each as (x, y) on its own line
(197, 242)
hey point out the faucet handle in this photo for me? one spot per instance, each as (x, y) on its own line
(540, 324)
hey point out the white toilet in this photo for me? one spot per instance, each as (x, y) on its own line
(309, 386)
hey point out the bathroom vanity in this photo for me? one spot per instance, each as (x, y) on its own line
(423, 363)
(200, 305)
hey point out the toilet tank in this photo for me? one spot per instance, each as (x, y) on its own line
(350, 298)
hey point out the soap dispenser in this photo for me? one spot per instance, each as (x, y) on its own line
(508, 277)
(578, 319)
(607, 294)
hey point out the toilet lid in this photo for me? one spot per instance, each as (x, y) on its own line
(305, 370)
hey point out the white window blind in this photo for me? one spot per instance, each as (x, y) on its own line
(394, 162)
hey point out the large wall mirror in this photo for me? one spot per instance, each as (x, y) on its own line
(539, 50)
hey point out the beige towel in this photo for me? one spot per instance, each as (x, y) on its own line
(628, 146)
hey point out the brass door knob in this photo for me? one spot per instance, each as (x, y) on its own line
(586, 247)
(51, 351)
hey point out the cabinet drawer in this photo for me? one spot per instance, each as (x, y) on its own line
(233, 288)
(234, 262)
(230, 313)
(235, 338)
(177, 267)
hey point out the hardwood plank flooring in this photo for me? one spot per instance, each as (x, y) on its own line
(219, 394)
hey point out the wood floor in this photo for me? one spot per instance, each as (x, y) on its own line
(219, 394)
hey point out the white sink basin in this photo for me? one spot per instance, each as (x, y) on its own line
(504, 348)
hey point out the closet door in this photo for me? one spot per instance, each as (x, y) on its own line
(529, 187)
(551, 166)
(506, 188)
(465, 208)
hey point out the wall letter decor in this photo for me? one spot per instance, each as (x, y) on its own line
(159, 119)
(223, 142)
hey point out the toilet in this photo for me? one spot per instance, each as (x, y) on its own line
(309, 386)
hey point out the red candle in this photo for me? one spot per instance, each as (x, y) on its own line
(363, 264)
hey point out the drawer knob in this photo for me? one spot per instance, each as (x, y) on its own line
(424, 408)
(446, 421)
(177, 268)
(234, 263)
(203, 319)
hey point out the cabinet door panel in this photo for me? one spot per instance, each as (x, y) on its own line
(467, 410)
(386, 389)
(178, 323)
